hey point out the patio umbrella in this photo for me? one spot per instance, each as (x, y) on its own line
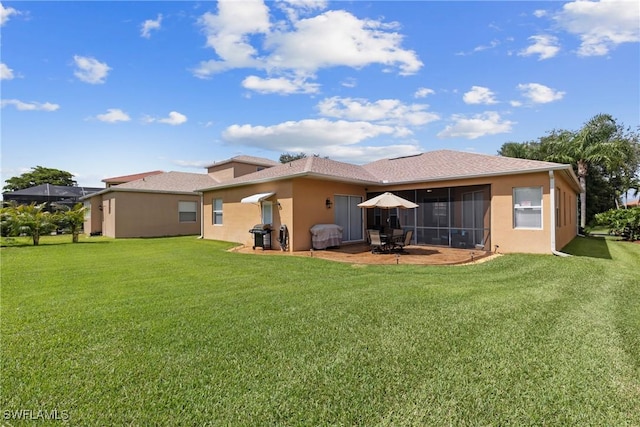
(388, 201)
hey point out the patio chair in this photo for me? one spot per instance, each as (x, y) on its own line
(405, 242)
(377, 245)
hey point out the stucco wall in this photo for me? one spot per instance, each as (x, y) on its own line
(230, 170)
(93, 221)
(302, 204)
(138, 214)
(310, 206)
(238, 218)
(567, 223)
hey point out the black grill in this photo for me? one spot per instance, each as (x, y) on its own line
(261, 236)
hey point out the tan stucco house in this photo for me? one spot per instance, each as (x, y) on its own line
(463, 199)
(154, 204)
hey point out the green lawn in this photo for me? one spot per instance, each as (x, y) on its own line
(178, 332)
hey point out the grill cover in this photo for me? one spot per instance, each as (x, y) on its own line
(326, 235)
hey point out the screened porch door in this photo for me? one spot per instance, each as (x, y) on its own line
(349, 216)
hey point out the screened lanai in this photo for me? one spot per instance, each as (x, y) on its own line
(458, 217)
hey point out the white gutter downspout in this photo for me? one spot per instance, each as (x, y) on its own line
(201, 216)
(552, 214)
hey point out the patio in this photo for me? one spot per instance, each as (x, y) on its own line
(360, 253)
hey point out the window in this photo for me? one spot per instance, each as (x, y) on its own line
(187, 211)
(217, 211)
(267, 212)
(527, 207)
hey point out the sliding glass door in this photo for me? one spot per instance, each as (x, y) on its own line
(349, 216)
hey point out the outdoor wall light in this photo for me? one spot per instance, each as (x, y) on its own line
(328, 203)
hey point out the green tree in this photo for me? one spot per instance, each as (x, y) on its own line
(71, 219)
(40, 175)
(32, 220)
(598, 142)
(605, 157)
(521, 150)
(286, 157)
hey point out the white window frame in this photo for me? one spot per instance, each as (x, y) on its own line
(216, 213)
(527, 205)
(187, 211)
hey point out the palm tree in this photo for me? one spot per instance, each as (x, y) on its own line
(71, 218)
(31, 219)
(597, 142)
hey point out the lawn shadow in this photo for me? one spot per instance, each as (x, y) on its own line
(592, 247)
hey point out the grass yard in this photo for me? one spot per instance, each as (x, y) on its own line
(178, 332)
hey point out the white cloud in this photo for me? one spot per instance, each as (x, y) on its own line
(338, 38)
(6, 13)
(479, 95)
(423, 92)
(30, 106)
(228, 34)
(299, 46)
(601, 25)
(384, 111)
(113, 115)
(6, 73)
(349, 82)
(539, 13)
(280, 85)
(295, 8)
(311, 133)
(149, 25)
(90, 70)
(173, 119)
(545, 46)
(492, 45)
(337, 139)
(488, 123)
(537, 93)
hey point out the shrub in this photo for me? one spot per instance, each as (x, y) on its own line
(621, 222)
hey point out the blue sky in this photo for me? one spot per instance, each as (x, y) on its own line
(103, 89)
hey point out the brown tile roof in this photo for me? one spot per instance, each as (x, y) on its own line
(449, 164)
(127, 178)
(430, 166)
(309, 166)
(169, 182)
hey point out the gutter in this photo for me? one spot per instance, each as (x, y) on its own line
(552, 215)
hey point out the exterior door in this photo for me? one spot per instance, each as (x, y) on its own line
(349, 216)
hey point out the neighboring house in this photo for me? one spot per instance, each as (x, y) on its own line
(110, 182)
(154, 204)
(47, 193)
(464, 199)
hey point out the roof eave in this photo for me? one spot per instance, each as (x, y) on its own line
(303, 174)
(140, 190)
(480, 175)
